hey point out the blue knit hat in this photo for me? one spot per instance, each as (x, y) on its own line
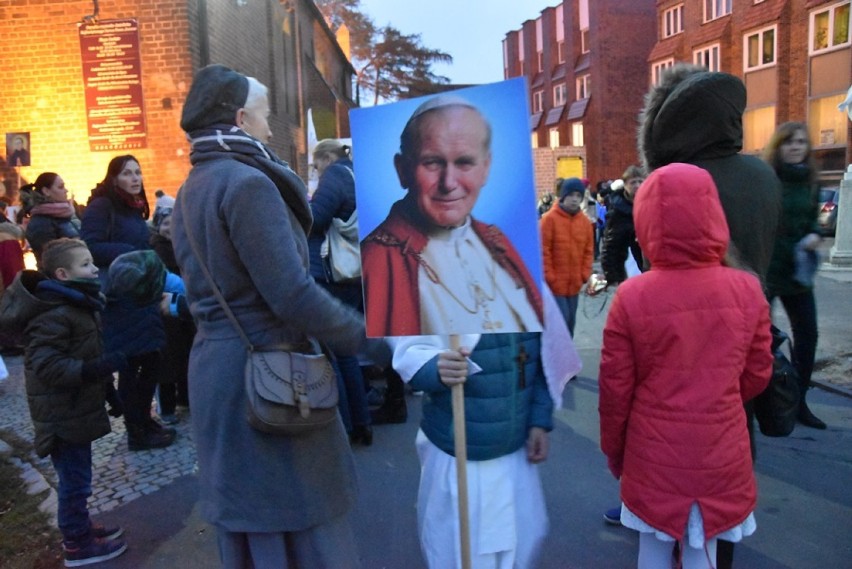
(571, 185)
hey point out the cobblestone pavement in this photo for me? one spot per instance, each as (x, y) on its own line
(118, 476)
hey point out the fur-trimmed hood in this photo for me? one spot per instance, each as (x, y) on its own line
(691, 114)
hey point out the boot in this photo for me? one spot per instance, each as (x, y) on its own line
(140, 438)
(362, 434)
(807, 418)
(393, 409)
(154, 426)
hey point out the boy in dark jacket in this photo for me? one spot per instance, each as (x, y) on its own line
(66, 377)
(619, 235)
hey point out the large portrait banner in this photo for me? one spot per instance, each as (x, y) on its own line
(447, 214)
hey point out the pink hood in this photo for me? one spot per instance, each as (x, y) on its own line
(679, 218)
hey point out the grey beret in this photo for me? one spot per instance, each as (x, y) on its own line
(216, 94)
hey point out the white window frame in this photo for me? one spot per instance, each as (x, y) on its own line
(714, 9)
(560, 94)
(553, 137)
(658, 67)
(671, 23)
(708, 56)
(584, 41)
(534, 139)
(560, 50)
(538, 101)
(761, 42)
(577, 135)
(832, 9)
(583, 87)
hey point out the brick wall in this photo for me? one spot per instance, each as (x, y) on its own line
(43, 91)
(545, 161)
(621, 34)
(43, 88)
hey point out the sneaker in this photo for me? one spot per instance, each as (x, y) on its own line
(169, 419)
(98, 550)
(108, 533)
(613, 516)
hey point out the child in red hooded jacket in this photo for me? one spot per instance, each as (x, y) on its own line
(685, 344)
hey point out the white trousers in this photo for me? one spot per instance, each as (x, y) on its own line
(508, 518)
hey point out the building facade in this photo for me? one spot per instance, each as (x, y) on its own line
(285, 44)
(586, 66)
(794, 56)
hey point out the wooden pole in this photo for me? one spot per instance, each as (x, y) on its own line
(460, 437)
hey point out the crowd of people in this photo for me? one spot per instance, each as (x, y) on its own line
(154, 296)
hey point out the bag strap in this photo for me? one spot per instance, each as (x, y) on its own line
(216, 292)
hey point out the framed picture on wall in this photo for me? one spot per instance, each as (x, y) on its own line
(18, 149)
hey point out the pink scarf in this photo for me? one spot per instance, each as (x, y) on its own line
(62, 210)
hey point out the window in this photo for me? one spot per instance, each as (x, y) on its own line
(554, 138)
(538, 101)
(827, 126)
(584, 41)
(534, 139)
(540, 62)
(560, 95)
(707, 56)
(759, 49)
(583, 87)
(830, 28)
(716, 9)
(658, 68)
(577, 134)
(560, 33)
(758, 126)
(672, 23)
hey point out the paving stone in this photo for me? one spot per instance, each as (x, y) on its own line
(118, 475)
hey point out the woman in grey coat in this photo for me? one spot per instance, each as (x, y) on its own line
(276, 501)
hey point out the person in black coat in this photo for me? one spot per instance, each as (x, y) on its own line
(670, 130)
(619, 234)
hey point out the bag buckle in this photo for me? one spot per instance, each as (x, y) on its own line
(301, 392)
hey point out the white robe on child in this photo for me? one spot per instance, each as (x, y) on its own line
(505, 493)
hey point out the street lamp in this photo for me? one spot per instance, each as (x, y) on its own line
(841, 251)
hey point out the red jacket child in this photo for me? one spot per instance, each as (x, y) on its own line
(685, 344)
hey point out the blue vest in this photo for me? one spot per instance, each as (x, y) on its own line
(501, 402)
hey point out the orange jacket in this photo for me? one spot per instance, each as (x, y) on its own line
(568, 246)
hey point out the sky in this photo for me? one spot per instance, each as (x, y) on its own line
(472, 31)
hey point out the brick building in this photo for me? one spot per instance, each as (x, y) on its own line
(586, 65)
(284, 43)
(794, 56)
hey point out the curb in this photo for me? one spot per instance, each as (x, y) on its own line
(35, 482)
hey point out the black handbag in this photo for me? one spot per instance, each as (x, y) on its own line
(290, 389)
(777, 407)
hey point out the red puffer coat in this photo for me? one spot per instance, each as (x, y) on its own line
(685, 344)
